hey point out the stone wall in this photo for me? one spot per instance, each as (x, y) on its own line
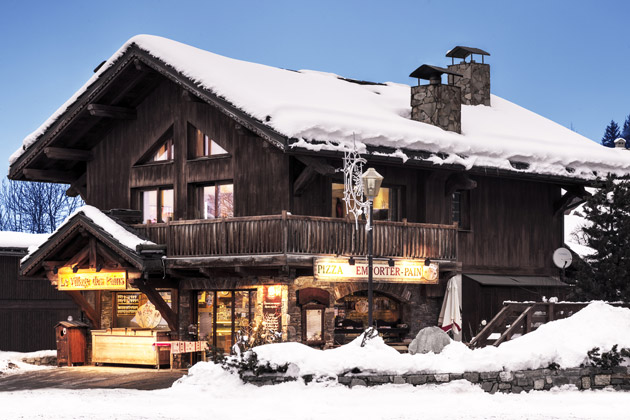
(475, 83)
(437, 104)
(507, 382)
(420, 303)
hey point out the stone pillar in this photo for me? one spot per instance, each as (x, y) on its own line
(475, 83)
(437, 104)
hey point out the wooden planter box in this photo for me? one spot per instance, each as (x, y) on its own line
(129, 346)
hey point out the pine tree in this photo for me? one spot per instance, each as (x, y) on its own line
(625, 133)
(611, 134)
(607, 274)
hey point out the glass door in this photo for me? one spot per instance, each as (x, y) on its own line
(224, 321)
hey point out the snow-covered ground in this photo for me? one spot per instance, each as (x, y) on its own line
(11, 362)
(211, 392)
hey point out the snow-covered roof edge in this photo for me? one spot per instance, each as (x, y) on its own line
(21, 240)
(121, 235)
(490, 138)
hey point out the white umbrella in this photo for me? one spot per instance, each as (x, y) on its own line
(451, 313)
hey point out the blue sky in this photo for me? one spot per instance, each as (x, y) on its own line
(566, 60)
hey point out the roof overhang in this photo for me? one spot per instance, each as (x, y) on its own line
(516, 281)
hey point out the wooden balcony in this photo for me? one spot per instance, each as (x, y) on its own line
(301, 235)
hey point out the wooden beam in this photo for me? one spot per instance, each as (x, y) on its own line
(79, 258)
(304, 180)
(573, 197)
(156, 299)
(109, 111)
(110, 258)
(458, 182)
(319, 165)
(85, 306)
(60, 153)
(50, 176)
(78, 187)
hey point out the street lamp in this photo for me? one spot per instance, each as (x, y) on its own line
(371, 185)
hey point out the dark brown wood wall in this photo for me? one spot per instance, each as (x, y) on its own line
(259, 171)
(512, 228)
(29, 310)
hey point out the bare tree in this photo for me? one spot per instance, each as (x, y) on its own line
(34, 207)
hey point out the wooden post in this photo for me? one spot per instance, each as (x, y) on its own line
(285, 232)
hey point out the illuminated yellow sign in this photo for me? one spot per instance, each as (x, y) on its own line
(403, 271)
(92, 280)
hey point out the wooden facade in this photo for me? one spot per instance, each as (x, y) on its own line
(282, 215)
(29, 308)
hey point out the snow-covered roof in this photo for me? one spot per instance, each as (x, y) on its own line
(18, 240)
(123, 236)
(322, 111)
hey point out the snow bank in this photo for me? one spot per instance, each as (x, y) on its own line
(308, 105)
(21, 239)
(564, 342)
(11, 362)
(119, 233)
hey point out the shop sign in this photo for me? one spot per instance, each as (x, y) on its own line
(178, 347)
(403, 271)
(113, 280)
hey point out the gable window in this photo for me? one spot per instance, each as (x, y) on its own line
(386, 204)
(157, 205)
(200, 144)
(162, 151)
(216, 201)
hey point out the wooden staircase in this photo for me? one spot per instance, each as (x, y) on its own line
(516, 319)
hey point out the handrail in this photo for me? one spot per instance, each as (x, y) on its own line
(298, 234)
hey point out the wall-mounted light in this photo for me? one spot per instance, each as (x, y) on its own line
(75, 268)
(55, 270)
(351, 261)
(99, 268)
(390, 262)
(427, 262)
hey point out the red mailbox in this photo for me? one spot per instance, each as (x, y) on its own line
(71, 337)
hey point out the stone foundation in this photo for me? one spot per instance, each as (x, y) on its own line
(507, 382)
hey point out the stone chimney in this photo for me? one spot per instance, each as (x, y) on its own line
(435, 103)
(475, 80)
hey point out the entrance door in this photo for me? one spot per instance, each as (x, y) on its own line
(222, 314)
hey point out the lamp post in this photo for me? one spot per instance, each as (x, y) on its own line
(371, 185)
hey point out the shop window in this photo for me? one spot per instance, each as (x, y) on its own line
(134, 310)
(216, 201)
(162, 151)
(201, 145)
(386, 204)
(460, 209)
(351, 317)
(157, 205)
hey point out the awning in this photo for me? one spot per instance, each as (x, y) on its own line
(518, 281)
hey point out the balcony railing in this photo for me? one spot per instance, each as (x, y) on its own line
(308, 235)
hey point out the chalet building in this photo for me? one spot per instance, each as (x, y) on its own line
(29, 308)
(215, 197)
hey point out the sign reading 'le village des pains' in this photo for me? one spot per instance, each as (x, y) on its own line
(92, 280)
(403, 271)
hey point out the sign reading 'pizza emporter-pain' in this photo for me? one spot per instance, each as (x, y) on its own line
(115, 280)
(403, 271)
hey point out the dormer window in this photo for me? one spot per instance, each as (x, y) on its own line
(201, 145)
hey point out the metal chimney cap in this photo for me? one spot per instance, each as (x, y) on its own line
(427, 72)
(463, 52)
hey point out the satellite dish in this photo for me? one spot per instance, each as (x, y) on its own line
(562, 257)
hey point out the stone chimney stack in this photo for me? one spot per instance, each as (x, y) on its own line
(475, 80)
(435, 103)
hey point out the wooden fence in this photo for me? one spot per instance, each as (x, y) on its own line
(291, 234)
